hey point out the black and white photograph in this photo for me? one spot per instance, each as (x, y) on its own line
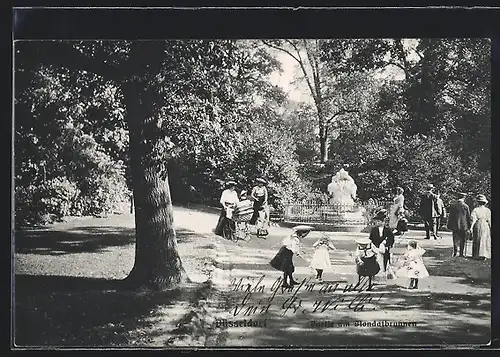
(251, 192)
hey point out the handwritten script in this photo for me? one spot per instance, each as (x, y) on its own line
(307, 297)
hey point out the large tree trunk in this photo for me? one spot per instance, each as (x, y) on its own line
(157, 261)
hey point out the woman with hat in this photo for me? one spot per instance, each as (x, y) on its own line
(228, 200)
(382, 238)
(481, 229)
(283, 259)
(259, 196)
(366, 260)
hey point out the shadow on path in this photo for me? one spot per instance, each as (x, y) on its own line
(442, 318)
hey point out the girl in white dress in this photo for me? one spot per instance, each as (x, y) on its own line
(321, 258)
(411, 265)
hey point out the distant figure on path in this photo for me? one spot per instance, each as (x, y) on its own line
(283, 259)
(481, 229)
(428, 212)
(459, 220)
(397, 210)
(260, 206)
(382, 238)
(441, 210)
(228, 200)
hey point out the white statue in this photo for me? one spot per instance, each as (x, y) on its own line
(342, 189)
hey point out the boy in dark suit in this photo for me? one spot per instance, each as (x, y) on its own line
(459, 221)
(380, 233)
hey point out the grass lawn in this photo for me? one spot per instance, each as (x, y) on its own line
(67, 288)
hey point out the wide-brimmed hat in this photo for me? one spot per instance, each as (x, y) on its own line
(303, 228)
(230, 183)
(461, 194)
(380, 215)
(481, 198)
(261, 180)
(430, 186)
(363, 241)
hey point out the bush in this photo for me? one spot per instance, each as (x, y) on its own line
(45, 203)
(105, 192)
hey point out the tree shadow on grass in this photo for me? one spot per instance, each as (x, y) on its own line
(473, 272)
(76, 311)
(86, 239)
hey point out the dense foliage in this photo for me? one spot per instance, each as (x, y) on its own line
(217, 117)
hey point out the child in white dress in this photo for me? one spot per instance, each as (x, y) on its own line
(321, 258)
(411, 265)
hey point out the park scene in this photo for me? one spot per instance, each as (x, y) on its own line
(252, 193)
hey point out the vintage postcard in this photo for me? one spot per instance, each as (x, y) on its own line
(284, 192)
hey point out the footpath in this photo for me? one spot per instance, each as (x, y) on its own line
(236, 298)
(452, 306)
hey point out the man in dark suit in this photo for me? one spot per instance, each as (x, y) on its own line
(380, 233)
(459, 221)
(429, 212)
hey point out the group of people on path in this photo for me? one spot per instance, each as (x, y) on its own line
(372, 255)
(462, 222)
(234, 205)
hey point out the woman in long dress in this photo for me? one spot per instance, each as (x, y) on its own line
(481, 229)
(283, 259)
(260, 215)
(397, 209)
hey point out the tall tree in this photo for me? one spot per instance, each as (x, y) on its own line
(171, 94)
(321, 64)
(147, 74)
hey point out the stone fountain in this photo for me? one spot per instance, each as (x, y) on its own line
(343, 213)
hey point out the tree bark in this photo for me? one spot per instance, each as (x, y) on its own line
(323, 144)
(157, 265)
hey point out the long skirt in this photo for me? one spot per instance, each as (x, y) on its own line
(369, 267)
(283, 261)
(221, 222)
(393, 218)
(258, 205)
(481, 239)
(321, 259)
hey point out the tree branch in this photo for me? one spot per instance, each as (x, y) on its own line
(62, 54)
(281, 49)
(315, 95)
(341, 112)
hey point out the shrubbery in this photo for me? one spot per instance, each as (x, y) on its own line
(45, 203)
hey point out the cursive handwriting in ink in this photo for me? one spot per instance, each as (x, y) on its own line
(246, 309)
(328, 288)
(328, 305)
(293, 302)
(238, 285)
